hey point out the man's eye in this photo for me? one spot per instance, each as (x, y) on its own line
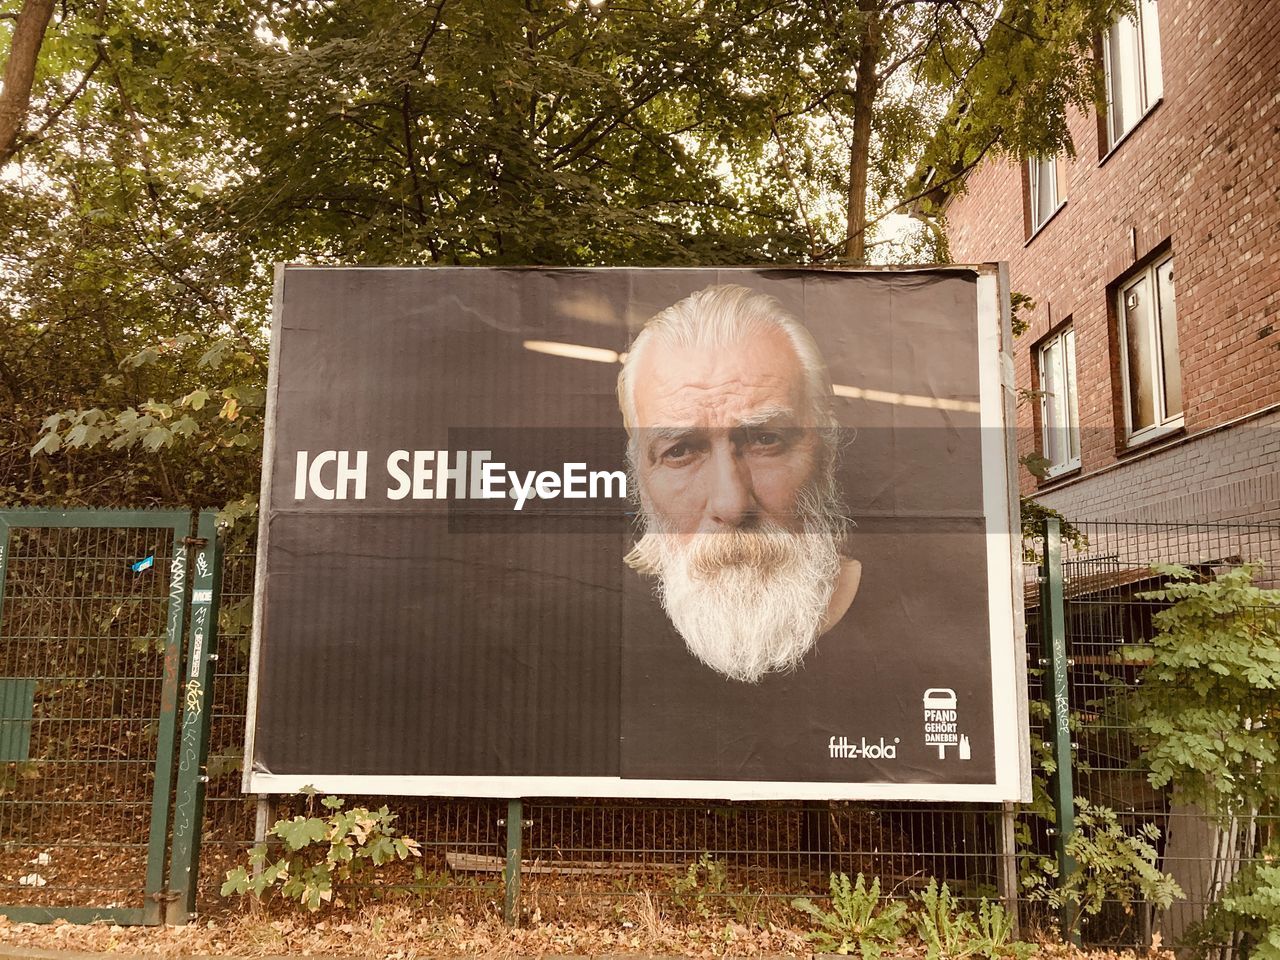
(767, 441)
(677, 453)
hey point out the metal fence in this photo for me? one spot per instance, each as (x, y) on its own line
(578, 855)
(1107, 579)
(92, 627)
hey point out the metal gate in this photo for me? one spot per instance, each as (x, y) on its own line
(91, 639)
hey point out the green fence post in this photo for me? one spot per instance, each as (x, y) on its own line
(511, 872)
(4, 561)
(1054, 660)
(153, 909)
(197, 702)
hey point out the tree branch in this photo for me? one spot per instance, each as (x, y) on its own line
(795, 188)
(62, 107)
(432, 29)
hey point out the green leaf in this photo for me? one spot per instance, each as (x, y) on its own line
(196, 399)
(301, 831)
(156, 437)
(184, 427)
(216, 355)
(49, 443)
(237, 882)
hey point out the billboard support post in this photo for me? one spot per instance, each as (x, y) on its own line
(1008, 873)
(511, 872)
(261, 824)
(1054, 660)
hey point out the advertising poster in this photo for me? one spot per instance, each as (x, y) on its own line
(723, 533)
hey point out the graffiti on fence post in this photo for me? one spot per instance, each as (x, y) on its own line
(189, 802)
(1054, 657)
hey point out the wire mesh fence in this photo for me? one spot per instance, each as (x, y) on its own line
(87, 622)
(86, 632)
(605, 848)
(773, 850)
(1110, 610)
(229, 816)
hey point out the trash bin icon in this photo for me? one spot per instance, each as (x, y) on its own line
(940, 698)
(940, 720)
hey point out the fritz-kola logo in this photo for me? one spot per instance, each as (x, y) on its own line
(445, 474)
(842, 748)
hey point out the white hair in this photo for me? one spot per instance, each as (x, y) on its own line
(722, 316)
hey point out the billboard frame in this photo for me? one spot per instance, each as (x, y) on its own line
(1006, 617)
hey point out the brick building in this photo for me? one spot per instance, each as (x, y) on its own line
(1153, 258)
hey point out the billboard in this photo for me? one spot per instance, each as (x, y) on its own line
(726, 533)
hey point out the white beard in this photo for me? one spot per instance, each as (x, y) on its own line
(747, 603)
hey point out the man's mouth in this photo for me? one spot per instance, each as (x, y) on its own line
(720, 552)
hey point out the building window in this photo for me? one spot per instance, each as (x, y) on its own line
(1131, 60)
(1046, 190)
(1059, 418)
(1149, 352)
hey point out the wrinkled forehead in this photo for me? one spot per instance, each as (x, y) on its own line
(718, 386)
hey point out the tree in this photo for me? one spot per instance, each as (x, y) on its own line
(860, 95)
(496, 132)
(1206, 709)
(212, 141)
(172, 152)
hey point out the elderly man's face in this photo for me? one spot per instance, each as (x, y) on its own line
(725, 435)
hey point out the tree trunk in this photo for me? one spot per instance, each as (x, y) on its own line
(864, 97)
(20, 72)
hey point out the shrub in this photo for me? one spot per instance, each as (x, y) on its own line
(324, 858)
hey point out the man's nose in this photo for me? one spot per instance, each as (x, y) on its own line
(731, 500)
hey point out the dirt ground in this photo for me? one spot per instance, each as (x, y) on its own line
(637, 926)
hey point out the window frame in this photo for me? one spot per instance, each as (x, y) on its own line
(1065, 336)
(1034, 166)
(1147, 65)
(1164, 423)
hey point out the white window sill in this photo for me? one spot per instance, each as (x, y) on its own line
(1045, 222)
(1128, 133)
(1061, 470)
(1151, 434)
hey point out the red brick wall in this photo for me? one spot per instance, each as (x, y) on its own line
(1201, 172)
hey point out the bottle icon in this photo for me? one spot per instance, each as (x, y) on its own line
(965, 752)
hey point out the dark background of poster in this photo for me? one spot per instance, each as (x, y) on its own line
(431, 638)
